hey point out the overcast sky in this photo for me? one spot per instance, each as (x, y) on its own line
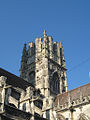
(67, 21)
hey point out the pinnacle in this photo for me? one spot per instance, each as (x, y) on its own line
(44, 33)
(60, 44)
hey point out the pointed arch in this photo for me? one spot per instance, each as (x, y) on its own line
(55, 83)
(82, 116)
(60, 117)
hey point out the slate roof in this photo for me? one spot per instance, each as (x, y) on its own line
(73, 94)
(14, 80)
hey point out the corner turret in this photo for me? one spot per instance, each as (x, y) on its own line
(23, 61)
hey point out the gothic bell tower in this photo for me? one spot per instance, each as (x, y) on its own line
(43, 65)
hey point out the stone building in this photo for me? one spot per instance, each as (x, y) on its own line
(74, 104)
(41, 91)
(18, 98)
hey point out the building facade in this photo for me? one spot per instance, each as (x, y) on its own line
(43, 65)
(41, 91)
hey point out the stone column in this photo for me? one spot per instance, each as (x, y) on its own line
(66, 86)
(7, 95)
(44, 114)
(51, 102)
(58, 53)
(42, 85)
(54, 115)
(50, 47)
(47, 91)
(60, 85)
(22, 95)
(28, 106)
(32, 107)
(2, 85)
(51, 115)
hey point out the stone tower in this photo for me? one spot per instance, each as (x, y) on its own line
(43, 65)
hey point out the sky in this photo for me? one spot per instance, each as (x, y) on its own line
(67, 21)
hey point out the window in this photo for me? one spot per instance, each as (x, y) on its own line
(24, 107)
(67, 119)
(15, 94)
(55, 83)
(38, 103)
(48, 114)
(63, 89)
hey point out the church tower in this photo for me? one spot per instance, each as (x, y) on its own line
(43, 65)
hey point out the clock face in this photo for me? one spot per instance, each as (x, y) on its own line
(55, 83)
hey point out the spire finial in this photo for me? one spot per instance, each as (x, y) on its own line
(60, 44)
(44, 33)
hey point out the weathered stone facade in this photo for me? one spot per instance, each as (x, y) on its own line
(19, 98)
(43, 65)
(75, 104)
(41, 91)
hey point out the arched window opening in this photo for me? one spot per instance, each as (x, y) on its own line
(24, 107)
(61, 117)
(83, 117)
(48, 114)
(55, 83)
